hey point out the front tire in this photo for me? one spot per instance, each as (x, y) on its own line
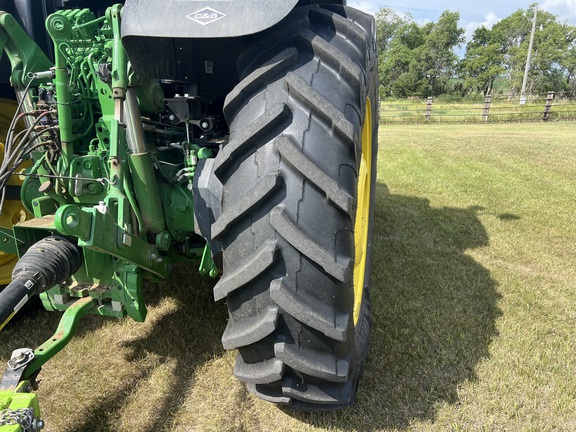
(298, 179)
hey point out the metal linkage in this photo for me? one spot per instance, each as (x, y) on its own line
(19, 410)
(25, 364)
(19, 407)
(62, 336)
(23, 417)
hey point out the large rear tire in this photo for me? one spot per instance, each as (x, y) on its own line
(298, 178)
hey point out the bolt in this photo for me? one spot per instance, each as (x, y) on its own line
(20, 357)
(126, 240)
(45, 187)
(58, 25)
(156, 258)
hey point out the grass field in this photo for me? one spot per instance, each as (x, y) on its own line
(474, 308)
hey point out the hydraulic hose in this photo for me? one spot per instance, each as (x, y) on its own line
(47, 262)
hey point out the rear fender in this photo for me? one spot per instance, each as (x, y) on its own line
(201, 19)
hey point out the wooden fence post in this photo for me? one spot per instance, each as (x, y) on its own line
(548, 107)
(487, 101)
(428, 108)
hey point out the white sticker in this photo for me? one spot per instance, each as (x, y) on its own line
(208, 67)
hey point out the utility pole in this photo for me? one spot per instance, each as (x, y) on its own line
(527, 68)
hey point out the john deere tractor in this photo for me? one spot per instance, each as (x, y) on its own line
(237, 136)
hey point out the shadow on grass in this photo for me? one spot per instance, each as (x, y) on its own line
(33, 325)
(434, 310)
(190, 335)
(434, 313)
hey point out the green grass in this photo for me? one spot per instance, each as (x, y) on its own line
(474, 307)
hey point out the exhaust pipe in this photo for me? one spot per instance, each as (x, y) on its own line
(47, 262)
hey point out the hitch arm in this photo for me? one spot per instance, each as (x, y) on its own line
(26, 367)
(19, 409)
(64, 333)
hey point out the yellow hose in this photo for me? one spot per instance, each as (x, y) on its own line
(12, 211)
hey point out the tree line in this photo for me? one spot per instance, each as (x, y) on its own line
(420, 60)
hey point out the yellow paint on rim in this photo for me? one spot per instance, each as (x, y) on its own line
(362, 211)
(13, 211)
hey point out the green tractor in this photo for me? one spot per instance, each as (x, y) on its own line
(237, 136)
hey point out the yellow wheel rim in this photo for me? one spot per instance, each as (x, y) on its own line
(13, 211)
(362, 212)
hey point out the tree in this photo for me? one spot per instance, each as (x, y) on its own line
(442, 37)
(569, 65)
(548, 68)
(388, 21)
(400, 60)
(419, 60)
(482, 64)
(416, 60)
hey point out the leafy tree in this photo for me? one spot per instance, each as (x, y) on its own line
(419, 60)
(416, 60)
(388, 21)
(441, 39)
(548, 68)
(400, 59)
(569, 64)
(482, 64)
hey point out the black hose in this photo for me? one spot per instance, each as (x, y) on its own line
(47, 262)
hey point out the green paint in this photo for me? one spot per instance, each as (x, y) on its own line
(207, 265)
(24, 55)
(7, 242)
(62, 336)
(18, 399)
(146, 190)
(128, 222)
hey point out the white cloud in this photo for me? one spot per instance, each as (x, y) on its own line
(490, 19)
(565, 9)
(370, 7)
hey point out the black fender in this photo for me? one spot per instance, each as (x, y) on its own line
(201, 19)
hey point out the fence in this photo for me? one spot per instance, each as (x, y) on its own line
(493, 109)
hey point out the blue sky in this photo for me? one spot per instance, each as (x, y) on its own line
(472, 13)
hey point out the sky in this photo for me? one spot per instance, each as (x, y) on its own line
(473, 14)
